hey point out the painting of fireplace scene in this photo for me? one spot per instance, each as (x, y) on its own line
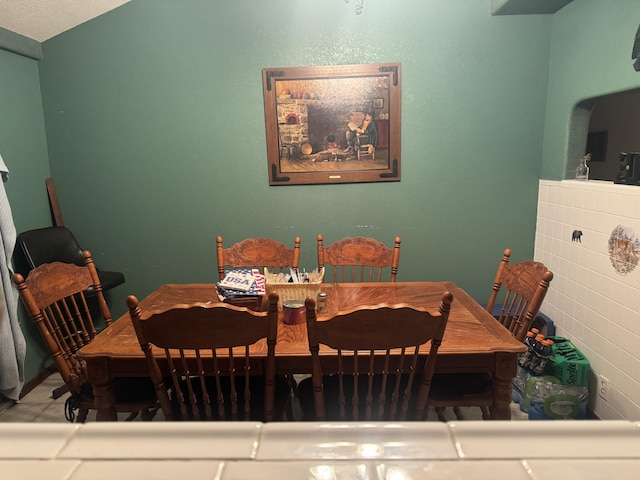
(333, 124)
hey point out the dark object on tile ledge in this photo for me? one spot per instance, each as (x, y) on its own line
(576, 236)
(628, 169)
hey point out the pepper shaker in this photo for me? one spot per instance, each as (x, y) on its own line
(321, 304)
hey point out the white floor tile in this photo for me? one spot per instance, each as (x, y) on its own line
(24, 412)
(37, 469)
(40, 394)
(53, 413)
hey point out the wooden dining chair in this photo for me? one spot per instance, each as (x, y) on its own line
(201, 363)
(517, 294)
(379, 374)
(257, 253)
(516, 297)
(55, 295)
(359, 259)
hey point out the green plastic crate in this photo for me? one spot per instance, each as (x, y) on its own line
(568, 363)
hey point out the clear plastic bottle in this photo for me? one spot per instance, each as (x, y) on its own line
(541, 354)
(519, 384)
(525, 360)
(550, 400)
(540, 392)
(534, 358)
(546, 353)
(525, 357)
(582, 172)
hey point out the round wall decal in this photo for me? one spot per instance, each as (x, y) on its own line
(624, 249)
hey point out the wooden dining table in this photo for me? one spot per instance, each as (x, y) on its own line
(474, 341)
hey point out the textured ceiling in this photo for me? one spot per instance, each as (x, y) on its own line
(43, 19)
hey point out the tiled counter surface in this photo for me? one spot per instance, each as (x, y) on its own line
(321, 451)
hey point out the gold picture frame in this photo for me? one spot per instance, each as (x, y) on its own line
(332, 124)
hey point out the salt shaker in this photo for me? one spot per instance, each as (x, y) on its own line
(321, 304)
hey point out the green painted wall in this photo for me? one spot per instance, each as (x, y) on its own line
(24, 150)
(155, 128)
(154, 120)
(590, 56)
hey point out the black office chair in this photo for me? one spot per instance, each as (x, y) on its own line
(56, 244)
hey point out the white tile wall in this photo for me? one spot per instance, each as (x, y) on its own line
(472, 450)
(592, 304)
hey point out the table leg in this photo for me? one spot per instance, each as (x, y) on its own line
(502, 384)
(103, 391)
(105, 401)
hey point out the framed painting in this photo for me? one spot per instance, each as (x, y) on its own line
(332, 124)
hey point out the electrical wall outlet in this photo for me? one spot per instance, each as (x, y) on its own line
(603, 387)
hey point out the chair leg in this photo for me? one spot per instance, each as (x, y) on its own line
(147, 414)
(58, 392)
(82, 415)
(132, 416)
(485, 413)
(292, 383)
(289, 411)
(425, 415)
(440, 414)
